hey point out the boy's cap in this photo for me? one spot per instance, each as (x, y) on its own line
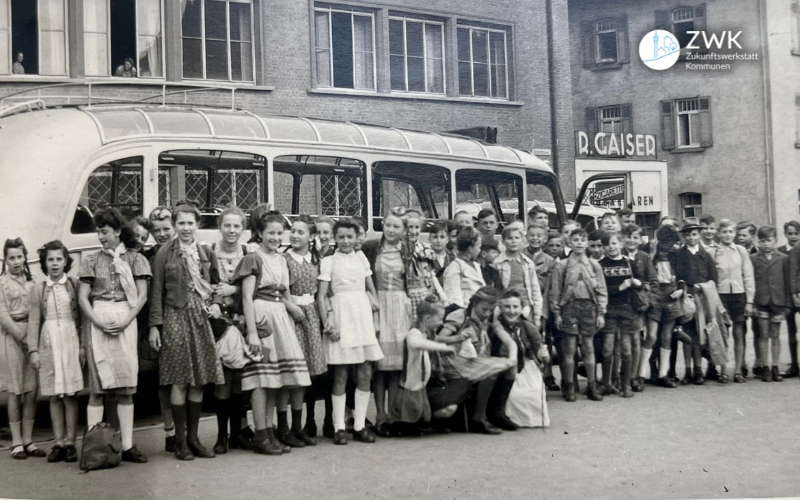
(490, 244)
(690, 224)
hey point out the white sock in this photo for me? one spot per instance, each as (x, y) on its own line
(94, 415)
(360, 411)
(16, 433)
(125, 413)
(339, 402)
(27, 431)
(169, 431)
(663, 362)
(644, 362)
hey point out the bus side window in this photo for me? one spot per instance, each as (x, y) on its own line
(115, 184)
(424, 188)
(213, 180)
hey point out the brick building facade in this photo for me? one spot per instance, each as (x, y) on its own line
(408, 64)
(727, 135)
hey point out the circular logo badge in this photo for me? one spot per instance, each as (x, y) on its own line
(659, 50)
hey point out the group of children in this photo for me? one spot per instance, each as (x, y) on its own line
(465, 322)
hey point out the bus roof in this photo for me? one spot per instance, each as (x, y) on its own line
(127, 122)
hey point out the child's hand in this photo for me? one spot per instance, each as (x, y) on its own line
(225, 290)
(333, 335)
(34, 359)
(625, 285)
(748, 309)
(297, 314)
(254, 344)
(214, 311)
(155, 339)
(676, 294)
(796, 299)
(636, 283)
(82, 356)
(559, 322)
(601, 321)
(373, 302)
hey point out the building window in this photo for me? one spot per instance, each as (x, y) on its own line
(609, 119)
(120, 32)
(482, 62)
(344, 49)
(416, 52)
(218, 40)
(33, 37)
(681, 20)
(692, 204)
(796, 28)
(686, 123)
(605, 43)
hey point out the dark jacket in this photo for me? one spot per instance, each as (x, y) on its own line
(694, 268)
(439, 270)
(492, 277)
(794, 268)
(169, 279)
(525, 335)
(772, 280)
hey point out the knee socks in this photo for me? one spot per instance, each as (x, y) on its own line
(16, 433)
(193, 410)
(223, 415)
(179, 416)
(297, 421)
(338, 403)
(236, 413)
(360, 410)
(125, 413)
(663, 362)
(283, 421)
(94, 415)
(644, 361)
(27, 431)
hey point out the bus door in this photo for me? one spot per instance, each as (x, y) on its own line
(609, 190)
(543, 190)
(503, 192)
(421, 187)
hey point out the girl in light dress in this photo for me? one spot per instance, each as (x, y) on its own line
(267, 304)
(349, 331)
(112, 293)
(17, 375)
(230, 402)
(390, 261)
(56, 348)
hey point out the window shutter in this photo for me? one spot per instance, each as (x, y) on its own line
(663, 20)
(625, 114)
(704, 114)
(623, 48)
(592, 125)
(589, 45)
(700, 24)
(797, 119)
(667, 126)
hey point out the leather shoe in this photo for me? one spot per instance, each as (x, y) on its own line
(221, 446)
(305, 438)
(627, 392)
(793, 372)
(776, 376)
(698, 378)
(637, 385)
(169, 444)
(71, 454)
(687, 378)
(593, 394)
(550, 384)
(483, 427)
(712, 373)
(289, 439)
(339, 437)
(266, 447)
(364, 435)
(667, 382)
(504, 423)
(739, 379)
(198, 450)
(327, 430)
(133, 454)
(766, 375)
(569, 394)
(609, 389)
(57, 454)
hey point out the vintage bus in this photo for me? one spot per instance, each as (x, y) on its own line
(59, 165)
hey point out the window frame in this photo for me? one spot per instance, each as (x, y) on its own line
(697, 208)
(694, 140)
(795, 16)
(424, 23)
(203, 39)
(352, 13)
(597, 32)
(111, 68)
(470, 28)
(590, 43)
(10, 37)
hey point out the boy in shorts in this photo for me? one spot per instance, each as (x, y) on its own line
(773, 295)
(791, 230)
(578, 300)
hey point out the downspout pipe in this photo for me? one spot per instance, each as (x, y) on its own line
(769, 165)
(551, 84)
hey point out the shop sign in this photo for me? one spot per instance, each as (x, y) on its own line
(615, 145)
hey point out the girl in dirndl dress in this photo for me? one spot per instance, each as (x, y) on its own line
(113, 290)
(56, 348)
(267, 304)
(349, 331)
(390, 259)
(17, 375)
(183, 298)
(303, 273)
(421, 278)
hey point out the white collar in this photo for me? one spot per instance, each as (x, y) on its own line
(693, 250)
(299, 258)
(61, 281)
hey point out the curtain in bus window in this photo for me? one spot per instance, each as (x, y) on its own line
(322, 51)
(95, 37)
(52, 36)
(362, 38)
(148, 27)
(241, 42)
(5, 38)
(434, 58)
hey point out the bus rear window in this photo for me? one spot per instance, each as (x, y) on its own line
(115, 184)
(320, 185)
(213, 180)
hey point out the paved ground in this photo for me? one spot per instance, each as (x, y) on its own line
(710, 441)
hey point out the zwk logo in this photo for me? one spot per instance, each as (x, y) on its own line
(659, 50)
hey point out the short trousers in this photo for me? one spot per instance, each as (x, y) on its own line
(775, 314)
(579, 317)
(735, 304)
(663, 310)
(622, 318)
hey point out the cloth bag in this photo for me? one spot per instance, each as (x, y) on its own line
(102, 448)
(232, 350)
(527, 402)
(688, 306)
